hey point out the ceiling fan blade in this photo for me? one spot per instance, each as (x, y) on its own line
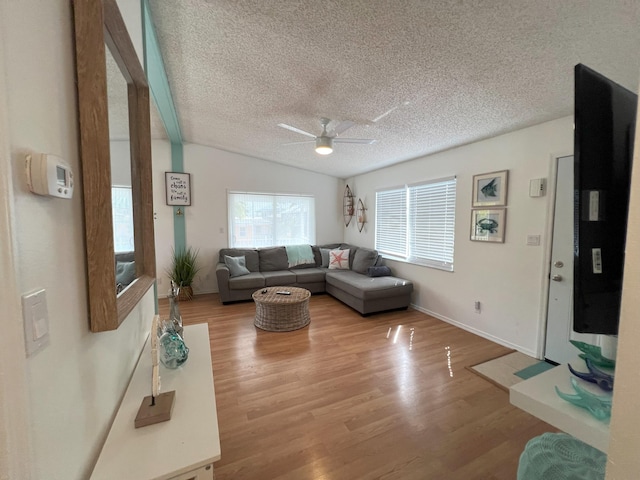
(343, 127)
(380, 117)
(299, 143)
(297, 130)
(362, 141)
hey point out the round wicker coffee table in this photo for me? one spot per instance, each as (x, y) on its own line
(277, 312)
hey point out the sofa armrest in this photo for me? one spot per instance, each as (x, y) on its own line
(223, 275)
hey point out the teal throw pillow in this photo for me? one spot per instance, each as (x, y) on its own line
(237, 265)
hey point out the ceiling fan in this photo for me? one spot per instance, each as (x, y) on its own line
(324, 142)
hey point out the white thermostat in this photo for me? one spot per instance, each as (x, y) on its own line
(49, 175)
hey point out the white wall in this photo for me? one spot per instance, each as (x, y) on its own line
(623, 461)
(506, 278)
(213, 173)
(74, 384)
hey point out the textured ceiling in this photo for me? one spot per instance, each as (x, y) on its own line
(453, 71)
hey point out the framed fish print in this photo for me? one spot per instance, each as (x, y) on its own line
(490, 189)
(487, 225)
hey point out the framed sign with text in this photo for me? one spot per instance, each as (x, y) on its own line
(178, 187)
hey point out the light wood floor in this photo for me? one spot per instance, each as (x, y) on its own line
(382, 397)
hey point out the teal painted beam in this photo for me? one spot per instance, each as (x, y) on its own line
(161, 93)
(157, 77)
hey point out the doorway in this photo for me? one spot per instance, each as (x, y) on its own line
(560, 295)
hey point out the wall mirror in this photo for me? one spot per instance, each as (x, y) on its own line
(99, 27)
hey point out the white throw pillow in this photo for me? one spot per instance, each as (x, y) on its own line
(339, 259)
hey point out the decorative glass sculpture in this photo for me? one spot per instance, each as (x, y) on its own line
(594, 354)
(174, 310)
(598, 406)
(173, 350)
(595, 375)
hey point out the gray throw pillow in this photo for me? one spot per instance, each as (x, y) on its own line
(363, 259)
(236, 266)
(324, 253)
(125, 272)
(379, 271)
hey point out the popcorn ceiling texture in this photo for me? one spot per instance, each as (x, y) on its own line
(470, 69)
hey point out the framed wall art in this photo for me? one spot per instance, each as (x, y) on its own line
(490, 189)
(488, 225)
(178, 187)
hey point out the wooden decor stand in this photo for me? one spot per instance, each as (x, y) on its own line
(151, 412)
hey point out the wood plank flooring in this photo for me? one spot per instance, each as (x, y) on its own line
(350, 397)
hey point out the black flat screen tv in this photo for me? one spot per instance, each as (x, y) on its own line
(604, 129)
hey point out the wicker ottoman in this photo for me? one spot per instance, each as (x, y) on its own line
(282, 313)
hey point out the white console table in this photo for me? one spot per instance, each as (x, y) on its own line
(538, 397)
(183, 448)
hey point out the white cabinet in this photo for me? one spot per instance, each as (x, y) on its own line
(183, 448)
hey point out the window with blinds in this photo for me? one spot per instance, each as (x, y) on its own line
(265, 220)
(416, 223)
(122, 207)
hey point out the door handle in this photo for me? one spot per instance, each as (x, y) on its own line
(556, 278)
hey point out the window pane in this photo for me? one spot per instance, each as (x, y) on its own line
(263, 220)
(391, 222)
(417, 223)
(122, 205)
(432, 223)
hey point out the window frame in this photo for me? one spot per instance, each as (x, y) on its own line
(309, 228)
(407, 243)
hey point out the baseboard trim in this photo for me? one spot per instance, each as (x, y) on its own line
(475, 331)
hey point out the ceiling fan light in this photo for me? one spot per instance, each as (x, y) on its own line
(324, 145)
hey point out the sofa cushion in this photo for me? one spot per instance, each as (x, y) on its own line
(253, 280)
(252, 262)
(363, 287)
(237, 266)
(324, 254)
(363, 259)
(273, 259)
(310, 275)
(352, 249)
(125, 272)
(280, 277)
(339, 259)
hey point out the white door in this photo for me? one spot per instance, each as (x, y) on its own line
(560, 305)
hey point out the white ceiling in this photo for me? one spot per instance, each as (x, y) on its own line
(455, 71)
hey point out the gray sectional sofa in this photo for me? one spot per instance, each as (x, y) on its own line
(266, 267)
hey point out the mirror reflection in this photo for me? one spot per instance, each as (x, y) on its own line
(121, 192)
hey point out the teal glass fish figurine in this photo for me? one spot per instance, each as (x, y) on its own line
(598, 406)
(594, 354)
(595, 375)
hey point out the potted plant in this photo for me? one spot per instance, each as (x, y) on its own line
(184, 267)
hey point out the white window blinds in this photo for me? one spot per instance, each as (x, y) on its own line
(417, 223)
(263, 220)
(122, 206)
(391, 222)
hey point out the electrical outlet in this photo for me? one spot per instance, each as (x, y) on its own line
(477, 306)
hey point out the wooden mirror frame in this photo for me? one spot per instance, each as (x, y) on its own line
(99, 23)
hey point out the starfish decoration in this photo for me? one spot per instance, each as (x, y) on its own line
(599, 407)
(338, 258)
(595, 375)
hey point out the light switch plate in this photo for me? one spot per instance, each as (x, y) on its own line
(36, 321)
(533, 240)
